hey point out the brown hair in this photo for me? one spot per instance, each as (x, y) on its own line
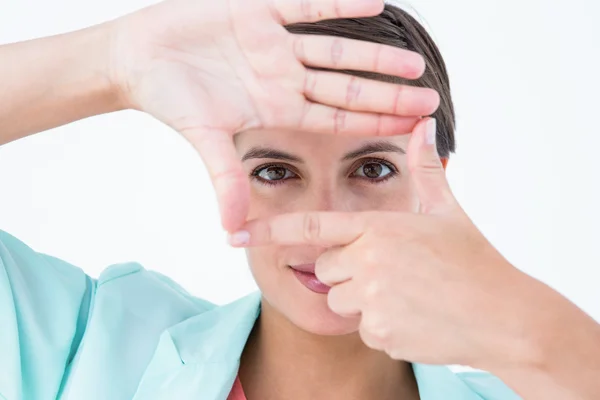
(395, 27)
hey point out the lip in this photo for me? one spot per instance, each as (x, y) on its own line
(305, 273)
(310, 268)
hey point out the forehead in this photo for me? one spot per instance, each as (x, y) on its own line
(309, 143)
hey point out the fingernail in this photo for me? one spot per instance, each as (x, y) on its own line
(240, 238)
(431, 131)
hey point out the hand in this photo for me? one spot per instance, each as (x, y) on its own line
(211, 69)
(428, 287)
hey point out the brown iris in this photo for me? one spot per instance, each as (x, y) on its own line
(275, 173)
(372, 170)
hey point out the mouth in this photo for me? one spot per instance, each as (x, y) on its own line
(305, 273)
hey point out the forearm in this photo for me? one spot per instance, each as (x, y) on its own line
(571, 372)
(562, 358)
(48, 82)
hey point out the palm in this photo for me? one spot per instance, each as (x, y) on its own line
(224, 71)
(215, 68)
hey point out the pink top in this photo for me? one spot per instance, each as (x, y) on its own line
(237, 393)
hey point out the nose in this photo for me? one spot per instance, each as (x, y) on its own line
(328, 199)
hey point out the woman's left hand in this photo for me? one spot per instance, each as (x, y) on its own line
(428, 287)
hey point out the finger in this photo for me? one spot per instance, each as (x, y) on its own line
(319, 118)
(360, 94)
(427, 171)
(344, 299)
(229, 179)
(294, 11)
(333, 267)
(313, 228)
(375, 330)
(356, 55)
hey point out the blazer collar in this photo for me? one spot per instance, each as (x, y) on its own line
(199, 359)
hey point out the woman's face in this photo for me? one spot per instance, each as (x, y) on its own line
(297, 171)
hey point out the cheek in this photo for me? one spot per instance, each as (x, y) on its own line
(258, 255)
(266, 202)
(399, 195)
(263, 263)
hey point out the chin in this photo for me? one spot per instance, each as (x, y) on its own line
(306, 309)
(324, 323)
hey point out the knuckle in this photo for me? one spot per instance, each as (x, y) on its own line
(398, 349)
(337, 52)
(310, 82)
(312, 227)
(336, 9)
(377, 58)
(430, 166)
(298, 46)
(398, 104)
(382, 334)
(306, 8)
(370, 256)
(372, 292)
(379, 125)
(375, 332)
(306, 109)
(395, 354)
(339, 121)
(353, 90)
(267, 233)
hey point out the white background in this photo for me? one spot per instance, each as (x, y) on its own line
(525, 78)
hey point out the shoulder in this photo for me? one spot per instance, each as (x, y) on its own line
(488, 386)
(55, 283)
(77, 324)
(34, 272)
(131, 281)
(131, 298)
(44, 304)
(39, 280)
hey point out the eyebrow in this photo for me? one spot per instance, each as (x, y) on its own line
(265, 152)
(374, 147)
(366, 149)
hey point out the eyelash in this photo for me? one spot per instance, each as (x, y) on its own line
(393, 172)
(256, 171)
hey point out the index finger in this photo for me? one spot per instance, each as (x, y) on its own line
(310, 228)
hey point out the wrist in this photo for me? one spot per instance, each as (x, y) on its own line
(111, 83)
(87, 78)
(115, 59)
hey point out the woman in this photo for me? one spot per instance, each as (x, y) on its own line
(368, 269)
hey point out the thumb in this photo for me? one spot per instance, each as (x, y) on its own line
(227, 175)
(426, 169)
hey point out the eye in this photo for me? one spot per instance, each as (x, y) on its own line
(273, 174)
(375, 170)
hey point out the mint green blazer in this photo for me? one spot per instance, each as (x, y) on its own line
(136, 334)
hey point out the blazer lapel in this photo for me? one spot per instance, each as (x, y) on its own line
(198, 359)
(440, 383)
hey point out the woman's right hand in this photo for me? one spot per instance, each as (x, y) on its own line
(210, 69)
